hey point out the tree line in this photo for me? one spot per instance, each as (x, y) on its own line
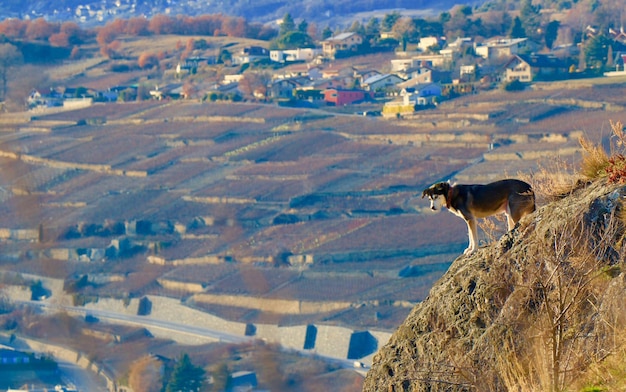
(495, 18)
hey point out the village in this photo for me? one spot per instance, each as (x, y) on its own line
(396, 83)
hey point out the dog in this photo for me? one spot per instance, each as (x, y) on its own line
(513, 197)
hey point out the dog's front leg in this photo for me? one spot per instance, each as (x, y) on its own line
(473, 235)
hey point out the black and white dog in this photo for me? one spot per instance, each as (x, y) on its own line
(513, 197)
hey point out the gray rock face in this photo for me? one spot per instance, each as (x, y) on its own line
(531, 311)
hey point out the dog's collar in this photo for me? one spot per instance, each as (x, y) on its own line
(449, 197)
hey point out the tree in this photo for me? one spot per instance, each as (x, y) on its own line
(596, 51)
(185, 377)
(404, 29)
(531, 19)
(372, 29)
(389, 20)
(145, 374)
(10, 57)
(75, 35)
(459, 22)
(303, 26)
(253, 83)
(221, 377)
(138, 26)
(551, 33)
(293, 40)
(40, 29)
(327, 33)
(287, 25)
(517, 30)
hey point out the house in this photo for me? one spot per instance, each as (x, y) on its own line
(283, 88)
(298, 70)
(425, 94)
(190, 64)
(336, 82)
(457, 48)
(499, 48)
(403, 64)
(243, 381)
(233, 78)
(169, 91)
(106, 96)
(423, 60)
(341, 97)
(13, 357)
(344, 42)
(291, 55)
(251, 54)
(527, 68)
(361, 75)
(426, 43)
(381, 82)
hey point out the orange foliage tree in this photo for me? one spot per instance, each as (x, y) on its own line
(137, 26)
(13, 28)
(40, 29)
(148, 60)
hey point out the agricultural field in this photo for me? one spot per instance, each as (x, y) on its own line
(251, 200)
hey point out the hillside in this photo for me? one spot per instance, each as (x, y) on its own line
(540, 309)
(324, 13)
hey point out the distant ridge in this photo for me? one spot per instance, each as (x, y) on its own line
(327, 13)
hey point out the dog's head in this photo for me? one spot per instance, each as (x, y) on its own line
(434, 191)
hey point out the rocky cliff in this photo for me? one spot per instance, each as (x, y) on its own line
(539, 310)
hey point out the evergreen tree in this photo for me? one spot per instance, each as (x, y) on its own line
(327, 33)
(185, 377)
(389, 20)
(372, 28)
(303, 26)
(517, 30)
(357, 27)
(287, 25)
(596, 51)
(552, 31)
(531, 19)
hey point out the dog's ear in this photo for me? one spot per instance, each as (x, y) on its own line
(427, 192)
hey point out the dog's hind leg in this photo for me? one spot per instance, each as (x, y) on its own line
(510, 220)
(473, 236)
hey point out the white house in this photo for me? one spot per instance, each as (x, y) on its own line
(381, 82)
(341, 42)
(291, 55)
(426, 42)
(424, 94)
(496, 48)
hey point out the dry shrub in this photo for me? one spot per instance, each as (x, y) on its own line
(595, 159)
(597, 163)
(145, 374)
(567, 319)
(552, 181)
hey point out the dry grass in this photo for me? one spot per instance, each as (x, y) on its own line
(570, 333)
(598, 163)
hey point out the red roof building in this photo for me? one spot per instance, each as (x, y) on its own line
(340, 97)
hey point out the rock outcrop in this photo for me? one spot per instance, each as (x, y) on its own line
(532, 311)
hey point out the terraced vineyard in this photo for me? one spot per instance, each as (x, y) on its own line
(185, 198)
